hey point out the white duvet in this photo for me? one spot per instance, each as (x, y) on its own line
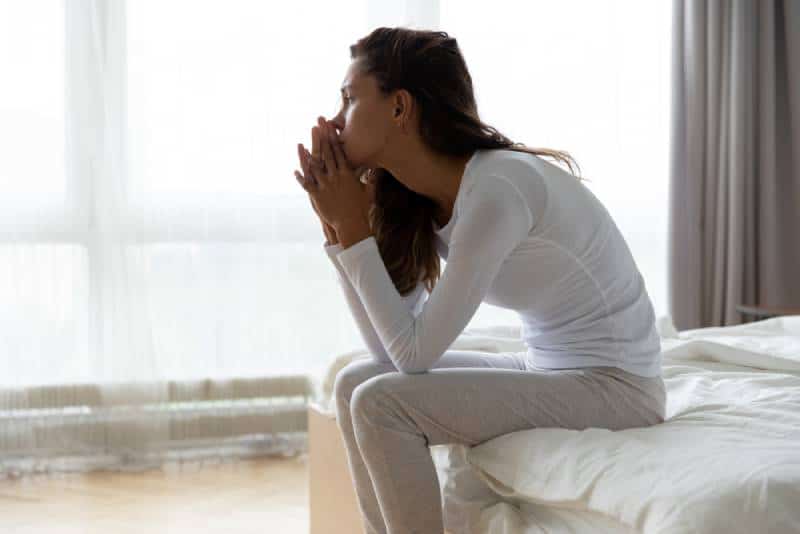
(727, 459)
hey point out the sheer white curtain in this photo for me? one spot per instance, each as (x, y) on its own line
(167, 294)
(164, 278)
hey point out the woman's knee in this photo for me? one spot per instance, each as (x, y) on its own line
(355, 373)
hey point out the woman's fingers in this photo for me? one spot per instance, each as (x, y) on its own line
(327, 152)
(315, 142)
(316, 145)
(302, 181)
(318, 163)
(338, 154)
(319, 172)
(305, 164)
(307, 178)
(303, 160)
(301, 155)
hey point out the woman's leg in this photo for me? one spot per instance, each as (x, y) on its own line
(359, 371)
(397, 416)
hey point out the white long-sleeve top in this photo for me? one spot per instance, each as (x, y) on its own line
(524, 235)
(412, 302)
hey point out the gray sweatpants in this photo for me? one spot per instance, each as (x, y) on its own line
(389, 419)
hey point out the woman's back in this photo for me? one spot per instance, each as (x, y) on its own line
(573, 280)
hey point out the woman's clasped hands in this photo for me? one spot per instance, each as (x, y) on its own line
(337, 195)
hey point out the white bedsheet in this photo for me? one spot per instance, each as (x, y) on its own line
(726, 460)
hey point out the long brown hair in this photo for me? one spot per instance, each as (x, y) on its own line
(429, 65)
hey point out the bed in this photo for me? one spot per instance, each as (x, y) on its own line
(727, 458)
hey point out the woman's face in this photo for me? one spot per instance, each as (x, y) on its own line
(363, 121)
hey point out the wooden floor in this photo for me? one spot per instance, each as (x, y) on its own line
(266, 495)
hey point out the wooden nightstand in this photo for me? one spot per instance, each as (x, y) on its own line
(765, 312)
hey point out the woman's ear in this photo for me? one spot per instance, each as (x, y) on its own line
(403, 102)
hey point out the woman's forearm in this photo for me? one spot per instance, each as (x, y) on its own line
(359, 313)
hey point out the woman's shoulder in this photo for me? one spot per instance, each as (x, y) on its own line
(512, 165)
(508, 172)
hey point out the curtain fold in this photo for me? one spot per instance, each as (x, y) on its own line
(735, 175)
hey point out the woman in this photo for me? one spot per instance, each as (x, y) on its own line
(516, 232)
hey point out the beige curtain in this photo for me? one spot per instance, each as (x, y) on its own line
(735, 159)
